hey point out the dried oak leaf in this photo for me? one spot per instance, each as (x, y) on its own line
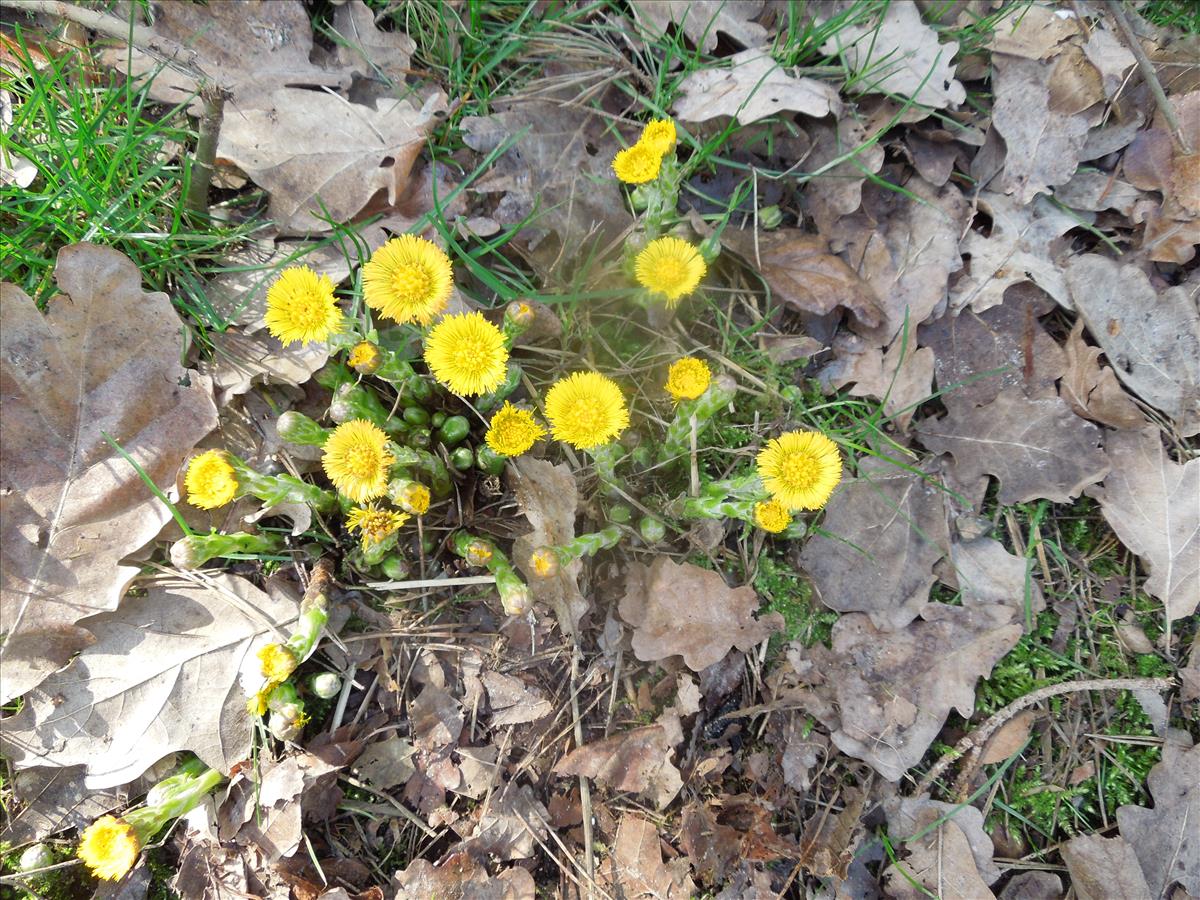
(50, 800)
(1091, 389)
(1165, 839)
(838, 190)
(702, 20)
(887, 529)
(104, 358)
(899, 55)
(987, 573)
(752, 88)
(938, 861)
(1155, 162)
(1033, 32)
(902, 377)
(514, 702)
(1152, 338)
(1149, 501)
(734, 829)
(1034, 885)
(242, 360)
(909, 815)
(461, 878)
(689, 611)
(162, 676)
(895, 689)
(638, 760)
(1102, 868)
(1035, 448)
(635, 869)
(510, 826)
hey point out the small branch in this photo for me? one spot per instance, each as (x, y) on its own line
(206, 149)
(585, 790)
(139, 35)
(1148, 75)
(975, 741)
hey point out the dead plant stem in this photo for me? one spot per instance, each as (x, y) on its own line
(1147, 69)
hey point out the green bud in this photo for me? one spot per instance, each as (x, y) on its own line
(652, 529)
(620, 514)
(297, 428)
(770, 217)
(415, 415)
(395, 568)
(454, 431)
(438, 418)
(462, 458)
(325, 685)
(488, 460)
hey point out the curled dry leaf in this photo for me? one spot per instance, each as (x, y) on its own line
(242, 360)
(1009, 738)
(660, 603)
(1103, 867)
(635, 869)
(104, 358)
(1155, 162)
(638, 760)
(1091, 389)
(461, 876)
(703, 20)
(1149, 501)
(162, 676)
(752, 88)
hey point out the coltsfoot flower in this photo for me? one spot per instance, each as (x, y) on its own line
(586, 409)
(544, 562)
(356, 459)
(109, 847)
(800, 469)
(408, 279)
(466, 353)
(513, 431)
(669, 267)
(659, 135)
(210, 480)
(301, 307)
(772, 516)
(365, 358)
(688, 378)
(637, 164)
(276, 662)
(413, 498)
(374, 524)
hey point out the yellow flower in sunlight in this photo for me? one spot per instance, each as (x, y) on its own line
(772, 516)
(586, 410)
(800, 469)
(365, 358)
(414, 498)
(109, 847)
(301, 307)
(637, 164)
(670, 267)
(659, 136)
(513, 431)
(466, 353)
(356, 460)
(408, 279)
(276, 662)
(688, 378)
(210, 480)
(544, 562)
(374, 524)
(478, 553)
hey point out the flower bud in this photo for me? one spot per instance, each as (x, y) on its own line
(515, 597)
(325, 685)
(297, 428)
(286, 724)
(365, 358)
(770, 217)
(478, 553)
(543, 562)
(652, 530)
(36, 857)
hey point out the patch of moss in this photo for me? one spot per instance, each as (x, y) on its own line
(789, 593)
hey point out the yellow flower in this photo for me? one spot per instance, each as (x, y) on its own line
(637, 164)
(365, 358)
(478, 553)
(356, 460)
(513, 431)
(800, 469)
(586, 410)
(670, 267)
(688, 378)
(109, 847)
(544, 562)
(414, 498)
(276, 662)
(301, 307)
(466, 353)
(659, 136)
(374, 524)
(210, 480)
(408, 279)
(772, 516)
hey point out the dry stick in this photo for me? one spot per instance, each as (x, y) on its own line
(585, 790)
(1147, 69)
(111, 26)
(979, 737)
(206, 149)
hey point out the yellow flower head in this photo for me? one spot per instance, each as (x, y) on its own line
(414, 498)
(374, 524)
(365, 358)
(301, 307)
(586, 410)
(408, 279)
(637, 164)
(544, 562)
(670, 267)
(659, 135)
(800, 469)
(772, 516)
(210, 480)
(276, 662)
(466, 353)
(521, 312)
(479, 553)
(356, 460)
(109, 847)
(688, 378)
(513, 431)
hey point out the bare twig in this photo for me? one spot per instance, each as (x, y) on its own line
(209, 130)
(1147, 69)
(585, 790)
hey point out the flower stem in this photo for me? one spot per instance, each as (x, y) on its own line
(514, 593)
(678, 440)
(195, 550)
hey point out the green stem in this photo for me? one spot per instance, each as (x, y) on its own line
(588, 544)
(605, 459)
(195, 550)
(514, 593)
(297, 428)
(678, 441)
(275, 489)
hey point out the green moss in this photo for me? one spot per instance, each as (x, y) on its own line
(787, 592)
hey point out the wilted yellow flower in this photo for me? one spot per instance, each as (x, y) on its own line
(478, 553)
(301, 307)
(374, 524)
(688, 378)
(466, 353)
(800, 469)
(210, 480)
(276, 662)
(109, 847)
(586, 410)
(544, 562)
(671, 267)
(659, 136)
(772, 516)
(356, 460)
(414, 498)
(637, 164)
(513, 431)
(365, 358)
(408, 279)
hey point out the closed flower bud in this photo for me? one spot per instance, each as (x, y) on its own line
(325, 685)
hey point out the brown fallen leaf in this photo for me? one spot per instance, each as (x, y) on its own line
(635, 869)
(838, 190)
(1149, 501)
(366, 49)
(638, 760)
(830, 839)
(1092, 390)
(514, 702)
(50, 800)
(1034, 448)
(1103, 867)
(242, 360)
(688, 611)
(1008, 739)
(437, 718)
(1033, 32)
(703, 20)
(1095, 190)
(902, 377)
(906, 816)
(169, 661)
(1152, 338)
(887, 529)
(1034, 885)
(940, 862)
(462, 878)
(1155, 162)
(510, 826)
(752, 88)
(987, 573)
(103, 359)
